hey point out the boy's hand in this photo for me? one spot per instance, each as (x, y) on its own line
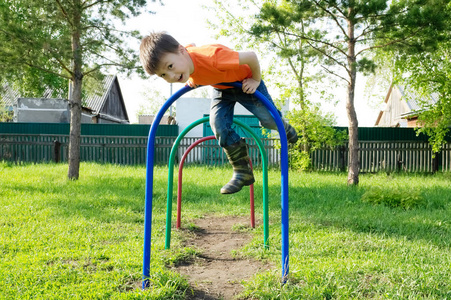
(250, 85)
(249, 58)
(191, 84)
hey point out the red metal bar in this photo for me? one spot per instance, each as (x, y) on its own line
(179, 188)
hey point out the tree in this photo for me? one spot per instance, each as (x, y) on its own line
(154, 101)
(5, 115)
(344, 31)
(291, 69)
(429, 74)
(67, 40)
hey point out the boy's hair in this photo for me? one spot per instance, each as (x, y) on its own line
(153, 47)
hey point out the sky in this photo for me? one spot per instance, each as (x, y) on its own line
(186, 21)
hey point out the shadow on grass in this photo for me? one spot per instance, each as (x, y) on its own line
(340, 206)
(122, 198)
(324, 202)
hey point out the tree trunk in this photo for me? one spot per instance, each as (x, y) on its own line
(354, 164)
(75, 131)
(75, 102)
(304, 147)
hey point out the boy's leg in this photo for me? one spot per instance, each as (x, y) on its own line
(221, 114)
(221, 120)
(255, 106)
(221, 117)
(242, 172)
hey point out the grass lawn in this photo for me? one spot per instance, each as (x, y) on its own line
(388, 238)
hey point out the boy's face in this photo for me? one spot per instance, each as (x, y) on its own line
(175, 67)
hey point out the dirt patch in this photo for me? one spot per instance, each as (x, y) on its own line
(217, 273)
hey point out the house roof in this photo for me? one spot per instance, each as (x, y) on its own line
(381, 112)
(415, 101)
(8, 95)
(94, 101)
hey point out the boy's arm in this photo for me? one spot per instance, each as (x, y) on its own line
(249, 58)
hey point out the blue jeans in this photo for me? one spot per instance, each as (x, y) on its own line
(221, 112)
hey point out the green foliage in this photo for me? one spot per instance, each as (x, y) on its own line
(69, 40)
(36, 41)
(366, 66)
(422, 65)
(315, 132)
(435, 122)
(299, 160)
(428, 74)
(402, 198)
(339, 36)
(278, 28)
(5, 114)
(318, 127)
(31, 82)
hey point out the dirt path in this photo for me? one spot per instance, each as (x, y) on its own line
(216, 273)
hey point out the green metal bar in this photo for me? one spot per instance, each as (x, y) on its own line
(171, 179)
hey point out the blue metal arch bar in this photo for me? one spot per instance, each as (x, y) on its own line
(149, 182)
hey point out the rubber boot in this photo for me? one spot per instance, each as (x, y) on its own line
(242, 171)
(292, 135)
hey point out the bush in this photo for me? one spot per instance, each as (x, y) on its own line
(404, 198)
(299, 160)
(315, 131)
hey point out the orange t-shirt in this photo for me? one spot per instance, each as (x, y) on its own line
(215, 64)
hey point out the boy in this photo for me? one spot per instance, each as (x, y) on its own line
(163, 56)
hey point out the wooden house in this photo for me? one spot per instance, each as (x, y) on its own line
(401, 108)
(106, 105)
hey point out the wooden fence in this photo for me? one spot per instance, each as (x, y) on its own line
(387, 156)
(375, 156)
(123, 150)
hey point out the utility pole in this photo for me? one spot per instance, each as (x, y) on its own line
(170, 94)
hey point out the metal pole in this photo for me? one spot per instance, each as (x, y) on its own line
(170, 95)
(149, 183)
(284, 184)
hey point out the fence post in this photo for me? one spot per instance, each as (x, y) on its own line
(399, 163)
(435, 162)
(56, 151)
(341, 162)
